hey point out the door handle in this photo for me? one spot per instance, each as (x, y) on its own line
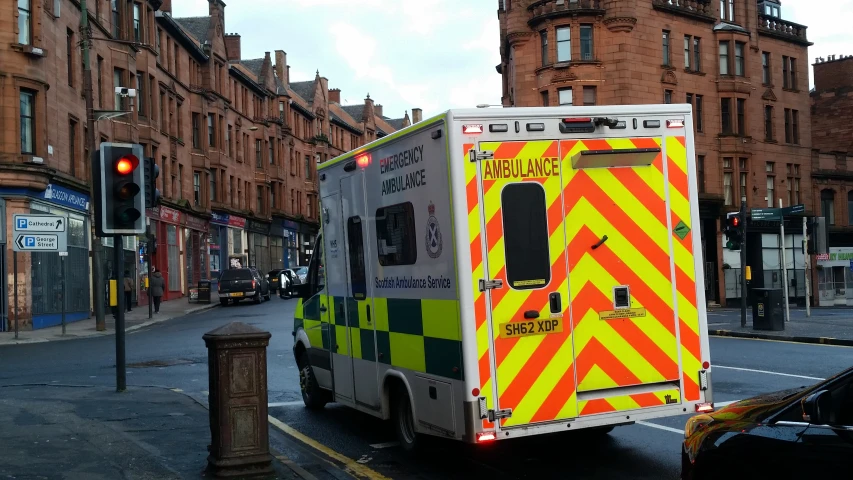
(556, 304)
(323, 308)
(531, 314)
(368, 314)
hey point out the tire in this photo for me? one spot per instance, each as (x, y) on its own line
(404, 421)
(223, 302)
(267, 296)
(314, 397)
(258, 298)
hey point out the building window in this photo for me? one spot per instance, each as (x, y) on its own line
(589, 95)
(544, 96)
(271, 148)
(308, 167)
(728, 190)
(789, 72)
(117, 84)
(739, 61)
(793, 71)
(587, 44)
(228, 141)
(396, 236)
(116, 19)
(273, 188)
(525, 222)
(795, 126)
(196, 188)
(726, 115)
(28, 125)
(666, 56)
(213, 185)
(140, 93)
(741, 117)
(827, 206)
(69, 54)
(137, 23)
(260, 199)
(793, 190)
(727, 10)
(700, 124)
(743, 184)
(100, 82)
(771, 189)
(565, 95)
(765, 68)
(211, 131)
(724, 58)
(543, 39)
(692, 53)
(788, 130)
(25, 32)
(667, 96)
(700, 172)
(768, 123)
(196, 132)
(259, 162)
(72, 147)
(564, 44)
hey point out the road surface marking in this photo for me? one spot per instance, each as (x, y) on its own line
(351, 465)
(296, 468)
(769, 373)
(379, 446)
(286, 404)
(661, 427)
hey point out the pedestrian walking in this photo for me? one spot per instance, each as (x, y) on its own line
(128, 289)
(156, 286)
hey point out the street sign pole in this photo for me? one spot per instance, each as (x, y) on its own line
(743, 262)
(118, 262)
(15, 281)
(784, 268)
(807, 268)
(62, 275)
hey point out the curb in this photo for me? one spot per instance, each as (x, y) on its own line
(165, 319)
(843, 342)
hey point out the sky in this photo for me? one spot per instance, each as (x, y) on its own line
(428, 54)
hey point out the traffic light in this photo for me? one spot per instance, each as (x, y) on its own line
(120, 200)
(734, 236)
(151, 172)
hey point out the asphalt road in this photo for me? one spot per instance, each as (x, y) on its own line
(173, 354)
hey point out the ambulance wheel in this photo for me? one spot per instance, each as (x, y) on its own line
(313, 396)
(404, 421)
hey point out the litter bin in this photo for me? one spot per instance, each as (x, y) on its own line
(204, 291)
(767, 308)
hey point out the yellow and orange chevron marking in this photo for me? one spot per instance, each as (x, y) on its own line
(537, 376)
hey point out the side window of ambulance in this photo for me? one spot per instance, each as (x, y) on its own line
(525, 231)
(355, 243)
(395, 235)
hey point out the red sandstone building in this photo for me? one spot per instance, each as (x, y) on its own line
(832, 175)
(236, 140)
(741, 66)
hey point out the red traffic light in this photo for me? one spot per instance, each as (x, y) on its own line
(126, 164)
(735, 221)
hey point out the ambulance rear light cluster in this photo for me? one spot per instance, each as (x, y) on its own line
(486, 437)
(704, 407)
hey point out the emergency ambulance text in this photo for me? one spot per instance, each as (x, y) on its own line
(403, 182)
(518, 168)
(412, 282)
(400, 160)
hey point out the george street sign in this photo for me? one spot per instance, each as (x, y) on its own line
(766, 214)
(39, 223)
(799, 208)
(40, 233)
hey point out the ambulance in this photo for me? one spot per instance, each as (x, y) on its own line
(490, 274)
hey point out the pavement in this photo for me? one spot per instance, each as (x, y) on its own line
(826, 325)
(135, 319)
(94, 433)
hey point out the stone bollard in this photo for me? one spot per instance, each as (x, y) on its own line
(237, 374)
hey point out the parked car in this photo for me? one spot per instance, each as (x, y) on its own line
(236, 284)
(806, 432)
(274, 279)
(286, 279)
(301, 273)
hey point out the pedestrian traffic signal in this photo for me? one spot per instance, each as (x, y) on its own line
(734, 234)
(151, 172)
(118, 180)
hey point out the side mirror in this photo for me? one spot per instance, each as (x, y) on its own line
(816, 408)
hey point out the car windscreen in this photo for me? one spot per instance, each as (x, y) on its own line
(238, 274)
(301, 270)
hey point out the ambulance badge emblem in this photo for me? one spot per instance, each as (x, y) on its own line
(433, 234)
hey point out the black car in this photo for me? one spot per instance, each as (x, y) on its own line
(236, 284)
(274, 279)
(805, 432)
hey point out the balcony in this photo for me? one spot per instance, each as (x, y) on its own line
(699, 9)
(783, 30)
(547, 9)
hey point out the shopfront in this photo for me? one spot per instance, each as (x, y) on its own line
(218, 243)
(835, 277)
(168, 225)
(767, 273)
(290, 242)
(259, 245)
(238, 249)
(46, 268)
(276, 245)
(196, 251)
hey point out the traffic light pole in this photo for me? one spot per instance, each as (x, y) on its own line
(118, 268)
(97, 248)
(743, 262)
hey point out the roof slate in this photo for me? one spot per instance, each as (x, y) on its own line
(304, 89)
(196, 26)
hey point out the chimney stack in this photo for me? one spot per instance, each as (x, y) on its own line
(280, 64)
(369, 111)
(335, 95)
(166, 6)
(378, 110)
(232, 47)
(417, 115)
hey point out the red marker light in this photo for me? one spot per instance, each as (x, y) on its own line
(363, 161)
(127, 164)
(475, 392)
(735, 221)
(577, 120)
(485, 436)
(706, 365)
(704, 407)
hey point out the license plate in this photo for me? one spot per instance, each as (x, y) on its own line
(528, 328)
(236, 294)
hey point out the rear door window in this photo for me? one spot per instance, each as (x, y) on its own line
(236, 275)
(525, 224)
